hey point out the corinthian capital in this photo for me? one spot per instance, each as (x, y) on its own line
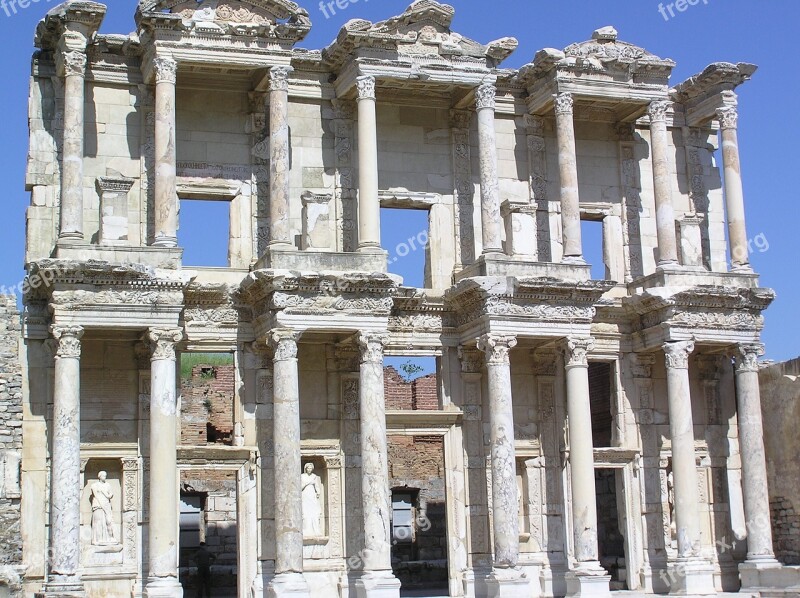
(497, 347)
(366, 87)
(486, 96)
(279, 78)
(576, 351)
(728, 117)
(284, 344)
(564, 103)
(657, 111)
(69, 341)
(72, 63)
(166, 69)
(747, 357)
(677, 354)
(372, 345)
(162, 343)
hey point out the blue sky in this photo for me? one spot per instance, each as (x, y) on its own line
(764, 33)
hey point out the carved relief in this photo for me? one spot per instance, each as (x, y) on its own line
(166, 69)
(564, 103)
(576, 351)
(366, 87)
(486, 97)
(497, 347)
(677, 354)
(728, 117)
(69, 341)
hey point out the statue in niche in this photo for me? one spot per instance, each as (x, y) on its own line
(312, 509)
(102, 512)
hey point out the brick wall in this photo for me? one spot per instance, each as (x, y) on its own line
(418, 395)
(207, 405)
(10, 445)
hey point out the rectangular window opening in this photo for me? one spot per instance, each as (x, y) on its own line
(204, 232)
(405, 235)
(208, 385)
(411, 383)
(593, 247)
(601, 396)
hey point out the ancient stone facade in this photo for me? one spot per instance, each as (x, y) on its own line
(536, 361)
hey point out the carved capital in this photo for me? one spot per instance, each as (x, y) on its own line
(162, 343)
(534, 125)
(486, 96)
(642, 365)
(728, 117)
(677, 354)
(460, 119)
(747, 357)
(471, 360)
(166, 69)
(279, 78)
(372, 345)
(69, 341)
(497, 347)
(564, 103)
(284, 344)
(366, 87)
(657, 111)
(72, 63)
(576, 352)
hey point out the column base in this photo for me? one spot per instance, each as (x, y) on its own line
(574, 260)
(508, 583)
(62, 587)
(288, 584)
(589, 579)
(691, 577)
(168, 242)
(163, 588)
(764, 573)
(378, 585)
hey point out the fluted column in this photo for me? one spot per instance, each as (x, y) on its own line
(164, 498)
(279, 157)
(665, 213)
(751, 449)
(694, 575)
(166, 195)
(72, 65)
(369, 207)
(734, 193)
(288, 467)
(64, 577)
(568, 171)
(378, 579)
(491, 220)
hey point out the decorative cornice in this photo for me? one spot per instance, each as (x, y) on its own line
(69, 341)
(163, 341)
(576, 351)
(657, 111)
(677, 354)
(728, 117)
(747, 357)
(486, 97)
(283, 343)
(372, 345)
(497, 347)
(564, 103)
(279, 78)
(166, 69)
(366, 87)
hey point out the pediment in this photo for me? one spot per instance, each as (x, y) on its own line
(604, 52)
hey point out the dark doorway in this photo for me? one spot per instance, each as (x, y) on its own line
(610, 536)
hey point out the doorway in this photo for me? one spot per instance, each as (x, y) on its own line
(610, 525)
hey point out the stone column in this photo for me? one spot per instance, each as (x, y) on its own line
(71, 63)
(568, 171)
(491, 221)
(166, 195)
(588, 577)
(760, 553)
(369, 207)
(64, 577)
(734, 194)
(378, 579)
(280, 234)
(691, 574)
(164, 498)
(665, 213)
(289, 580)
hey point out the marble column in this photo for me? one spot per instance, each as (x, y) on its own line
(163, 546)
(72, 65)
(288, 580)
(64, 578)
(588, 577)
(734, 193)
(166, 195)
(691, 573)
(491, 220)
(369, 206)
(279, 190)
(662, 186)
(760, 553)
(568, 171)
(378, 580)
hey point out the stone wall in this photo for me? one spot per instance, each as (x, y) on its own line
(780, 405)
(10, 445)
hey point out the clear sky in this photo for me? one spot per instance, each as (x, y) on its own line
(763, 33)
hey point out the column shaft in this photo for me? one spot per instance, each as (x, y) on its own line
(665, 213)
(279, 190)
(568, 171)
(369, 214)
(505, 501)
(65, 465)
(71, 222)
(491, 221)
(166, 196)
(751, 449)
(734, 193)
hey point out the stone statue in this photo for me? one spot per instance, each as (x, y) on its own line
(312, 509)
(102, 512)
